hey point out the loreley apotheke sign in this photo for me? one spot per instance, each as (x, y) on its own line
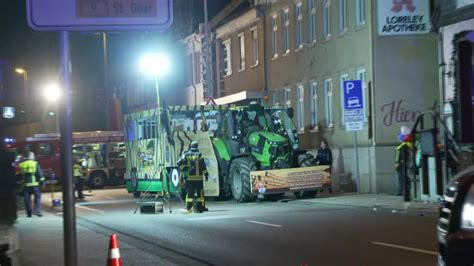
(403, 17)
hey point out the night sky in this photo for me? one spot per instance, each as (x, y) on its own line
(38, 51)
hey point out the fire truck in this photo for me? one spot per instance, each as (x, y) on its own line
(102, 154)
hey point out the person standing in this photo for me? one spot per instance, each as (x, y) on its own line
(194, 166)
(8, 193)
(403, 164)
(324, 157)
(32, 179)
(78, 177)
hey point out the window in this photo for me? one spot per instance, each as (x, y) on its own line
(328, 101)
(361, 75)
(287, 98)
(45, 149)
(131, 130)
(300, 107)
(189, 69)
(312, 20)
(241, 52)
(254, 46)
(227, 58)
(342, 15)
(327, 19)
(314, 104)
(286, 31)
(197, 68)
(299, 27)
(147, 128)
(342, 78)
(274, 36)
(275, 98)
(360, 12)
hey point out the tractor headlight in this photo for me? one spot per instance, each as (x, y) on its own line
(296, 146)
(467, 214)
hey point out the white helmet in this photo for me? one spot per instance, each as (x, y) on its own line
(31, 156)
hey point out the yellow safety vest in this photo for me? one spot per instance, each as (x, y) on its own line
(29, 169)
(77, 170)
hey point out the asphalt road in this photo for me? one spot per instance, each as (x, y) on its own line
(288, 232)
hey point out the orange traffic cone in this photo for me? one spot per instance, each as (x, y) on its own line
(114, 258)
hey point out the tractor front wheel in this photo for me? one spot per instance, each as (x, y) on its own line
(240, 179)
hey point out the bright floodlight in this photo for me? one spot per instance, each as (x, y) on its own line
(52, 92)
(20, 70)
(154, 64)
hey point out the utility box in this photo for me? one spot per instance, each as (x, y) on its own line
(151, 207)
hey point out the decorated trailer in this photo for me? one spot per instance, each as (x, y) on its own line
(249, 151)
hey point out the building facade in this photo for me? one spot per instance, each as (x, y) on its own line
(300, 52)
(456, 33)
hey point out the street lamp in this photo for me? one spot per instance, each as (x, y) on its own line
(156, 65)
(52, 93)
(22, 71)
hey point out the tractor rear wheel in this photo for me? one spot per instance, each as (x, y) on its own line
(240, 179)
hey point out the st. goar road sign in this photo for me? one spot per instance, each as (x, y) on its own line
(99, 15)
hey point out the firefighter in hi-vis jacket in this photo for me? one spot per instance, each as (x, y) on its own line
(193, 169)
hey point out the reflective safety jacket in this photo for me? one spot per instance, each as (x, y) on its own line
(31, 173)
(404, 154)
(77, 170)
(193, 165)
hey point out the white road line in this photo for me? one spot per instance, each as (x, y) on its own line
(89, 209)
(406, 248)
(109, 197)
(213, 217)
(59, 213)
(262, 223)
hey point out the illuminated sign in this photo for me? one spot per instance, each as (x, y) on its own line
(403, 17)
(99, 15)
(8, 112)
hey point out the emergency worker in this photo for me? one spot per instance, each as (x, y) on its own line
(403, 163)
(194, 168)
(78, 177)
(32, 179)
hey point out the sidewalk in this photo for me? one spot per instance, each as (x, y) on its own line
(41, 243)
(376, 202)
(39, 240)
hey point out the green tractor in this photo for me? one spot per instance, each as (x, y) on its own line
(252, 138)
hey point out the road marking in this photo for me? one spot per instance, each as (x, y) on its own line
(110, 198)
(262, 223)
(406, 248)
(89, 209)
(213, 217)
(105, 202)
(59, 213)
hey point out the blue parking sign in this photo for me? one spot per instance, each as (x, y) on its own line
(353, 96)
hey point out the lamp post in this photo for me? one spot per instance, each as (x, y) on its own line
(24, 73)
(156, 65)
(52, 94)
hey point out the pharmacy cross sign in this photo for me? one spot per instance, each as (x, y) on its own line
(99, 15)
(353, 105)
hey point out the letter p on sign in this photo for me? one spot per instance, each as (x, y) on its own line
(349, 86)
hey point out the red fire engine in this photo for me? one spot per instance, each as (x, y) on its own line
(102, 154)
